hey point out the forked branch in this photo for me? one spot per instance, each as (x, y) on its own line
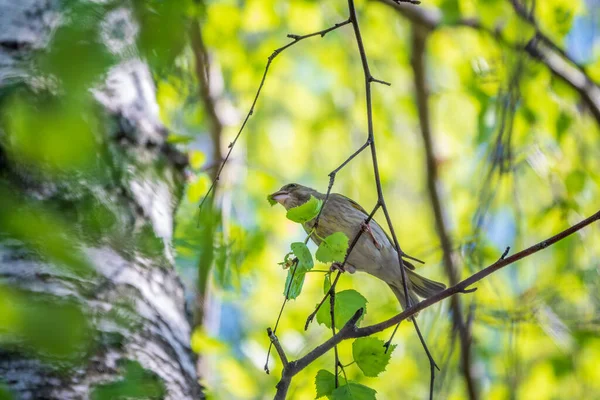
(351, 331)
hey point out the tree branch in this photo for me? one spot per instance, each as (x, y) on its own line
(433, 184)
(541, 48)
(277, 345)
(202, 69)
(350, 331)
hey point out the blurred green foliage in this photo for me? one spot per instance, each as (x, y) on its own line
(35, 323)
(518, 161)
(137, 383)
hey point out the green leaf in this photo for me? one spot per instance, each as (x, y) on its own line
(305, 212)
(325, 383)
(563, 123)
(353, 391)
(136, 383)
(179, 139)
(333, 248)
(370, 355)
(271, 200)
(326, 283)
(294, 285)
(5, 393)
(575, 182)
(347, 302)
(302, 253)
(450, 11)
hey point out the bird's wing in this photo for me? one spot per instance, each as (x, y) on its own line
(362, 210)
(353, 203)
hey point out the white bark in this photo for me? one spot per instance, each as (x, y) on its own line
(144, 196)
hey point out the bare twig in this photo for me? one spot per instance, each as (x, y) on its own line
(277, 345)
(422, 93)
(295, 39)
(287, 296)
(351, 331)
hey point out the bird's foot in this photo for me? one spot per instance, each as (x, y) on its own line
(337, 267)
(367, 229)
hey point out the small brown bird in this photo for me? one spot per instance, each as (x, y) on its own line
(374, 252)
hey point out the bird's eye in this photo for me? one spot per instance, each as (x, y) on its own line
(292, 186)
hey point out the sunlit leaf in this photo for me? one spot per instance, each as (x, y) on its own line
(197, 189)
(50, 134)
(370, 355)
(163, 30)
(45, 325)
(450, 10)
(203, 343)
(302, 253)
(325, 383)
(197, 159)
(347, 302)
(136, 383)
(353, 391)
(271, 200)
(333, 248)
(294, 282)
(179, 139)
(327, 283)
(575, 182)
(305, 212)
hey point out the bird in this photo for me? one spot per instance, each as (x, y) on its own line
(374, 253)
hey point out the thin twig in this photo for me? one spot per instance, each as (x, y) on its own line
(432, 364)
(287, 296)
(335, 349)
(295, 39)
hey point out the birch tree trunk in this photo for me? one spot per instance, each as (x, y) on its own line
(90, 303)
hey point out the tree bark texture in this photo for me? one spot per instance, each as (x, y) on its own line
(134, 327)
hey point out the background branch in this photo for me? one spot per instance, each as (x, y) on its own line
(202, 72)
(420, 34)
(540, 48)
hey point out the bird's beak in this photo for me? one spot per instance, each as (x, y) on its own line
(280, 196)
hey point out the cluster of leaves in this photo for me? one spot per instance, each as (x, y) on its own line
(368, 353)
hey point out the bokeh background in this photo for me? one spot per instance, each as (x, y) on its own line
(516, 144)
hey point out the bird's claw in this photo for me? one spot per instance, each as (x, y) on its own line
(367, 229)
(337, 267)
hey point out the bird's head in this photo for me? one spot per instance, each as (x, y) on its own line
(292, 195)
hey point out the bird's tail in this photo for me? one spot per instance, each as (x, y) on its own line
(417, 286)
